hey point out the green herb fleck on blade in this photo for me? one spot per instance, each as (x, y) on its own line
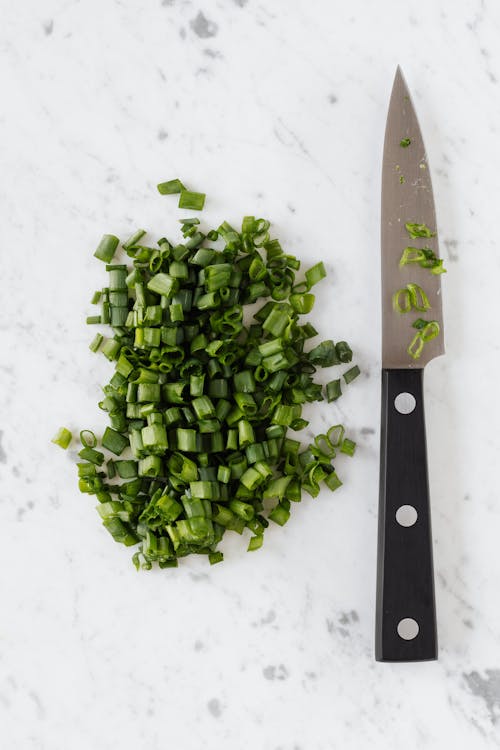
(405, 142)
(424, 334)
(410, 297)
(424, 257)
(401, 180)
(419, 230)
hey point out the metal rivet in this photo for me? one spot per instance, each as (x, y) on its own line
(405, 403)
(406, 515)
(408, 628)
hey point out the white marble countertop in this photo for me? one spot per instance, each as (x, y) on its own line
(276, 109)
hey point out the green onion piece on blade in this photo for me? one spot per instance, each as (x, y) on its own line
(418, 230)
(211, 372)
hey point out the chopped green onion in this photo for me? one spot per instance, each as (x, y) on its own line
(405, 142)
(200, 402)
(333, 390)
(171, 187)
(96, 342)
(215, 557)
(88, 439)
(425, 333)
(194, 201)
(279, 514)
(413, 297)
(425, 257)
(351, 374)
(62, 438)
(315, 274)
(418, 230)
(348, 447)
(114, 441)
(106, 248)
(255, 542)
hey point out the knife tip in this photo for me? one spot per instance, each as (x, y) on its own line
(399, 74)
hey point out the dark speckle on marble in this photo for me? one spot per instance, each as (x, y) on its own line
(291, 208)
(367, 431)
(240, 3)
(332, 99)
(212, 53)
(469, 624)
(202, 27)
(16, 471)
(487, 688)
(3, 455)
(198, 645)
(199, 577)
(266, 620)
(214, 707)
(162, 134)
(270, 617)
(48, 27)
(273, 672)
(182, 33)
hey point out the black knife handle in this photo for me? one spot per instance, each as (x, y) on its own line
(405, 579)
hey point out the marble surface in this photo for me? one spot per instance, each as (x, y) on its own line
(276, 109)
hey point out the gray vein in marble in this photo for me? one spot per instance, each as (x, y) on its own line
(48, 27)
(3, 455)
(38, 703)
(487, 688)
(196, 577)
(451, 247)
(202, 27)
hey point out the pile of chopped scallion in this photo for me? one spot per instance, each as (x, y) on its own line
(202, 402)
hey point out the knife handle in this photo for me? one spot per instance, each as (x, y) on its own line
(405, 580)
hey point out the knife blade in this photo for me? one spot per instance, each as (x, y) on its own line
(405, 628)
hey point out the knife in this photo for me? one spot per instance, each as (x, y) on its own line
(405, 628)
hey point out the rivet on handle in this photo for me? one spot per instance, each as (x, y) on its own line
(405, 403)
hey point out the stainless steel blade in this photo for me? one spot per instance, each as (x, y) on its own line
(406, 197)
